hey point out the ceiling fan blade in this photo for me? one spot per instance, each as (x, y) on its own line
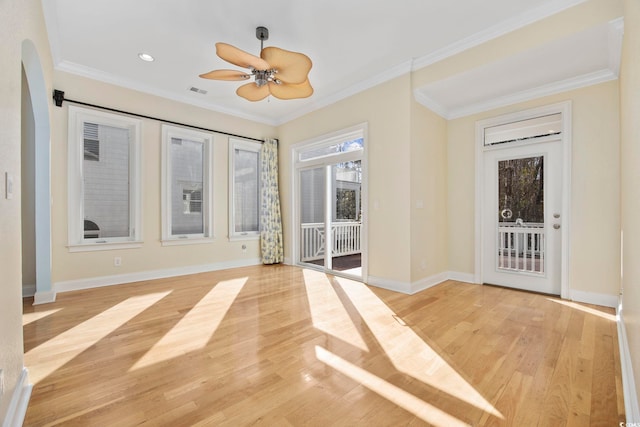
(293, 67)
(240, 58)
(231, 75)
(291, 91)
(252, 92)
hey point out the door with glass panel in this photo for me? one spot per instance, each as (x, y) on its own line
(522, 220)
(330, 206)
(312, 199)
(346, 217)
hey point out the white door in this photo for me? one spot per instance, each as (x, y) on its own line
(522, 205)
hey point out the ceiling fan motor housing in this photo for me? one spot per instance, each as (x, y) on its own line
(262, 33)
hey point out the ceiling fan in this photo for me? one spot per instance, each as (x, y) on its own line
(277, 72)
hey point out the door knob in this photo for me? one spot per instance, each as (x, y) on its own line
(556, 226)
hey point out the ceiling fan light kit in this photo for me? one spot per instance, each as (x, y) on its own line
(278, 72)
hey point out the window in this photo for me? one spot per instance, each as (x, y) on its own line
(527, 130)
(104, 181)
(192, 200)
(186, 186)
(91, 142)
(244, 191)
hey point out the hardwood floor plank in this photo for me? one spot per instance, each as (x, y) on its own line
(278, 345)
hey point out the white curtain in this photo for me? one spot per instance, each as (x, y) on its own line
(270, 220)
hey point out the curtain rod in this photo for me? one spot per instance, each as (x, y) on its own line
(58, 97)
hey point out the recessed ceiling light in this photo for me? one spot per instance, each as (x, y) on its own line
(145, 57)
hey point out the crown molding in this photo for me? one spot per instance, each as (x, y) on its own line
(615, 36)
(431, 104)
(616, 33)
(509, 25)
(504, 27)
(92, 73)
(397, 71)
(584, 80)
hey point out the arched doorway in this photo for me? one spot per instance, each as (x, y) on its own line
(38, 134)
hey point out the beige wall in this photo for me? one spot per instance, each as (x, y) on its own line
(428, 200)
(630, 159)
(19, 20)
(595, 241)
(595, 159)
(413, 155)
(152, 256)
(386, 110)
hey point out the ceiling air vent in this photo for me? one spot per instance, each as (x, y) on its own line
(196, 90)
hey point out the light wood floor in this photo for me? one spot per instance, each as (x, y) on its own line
(278, 345)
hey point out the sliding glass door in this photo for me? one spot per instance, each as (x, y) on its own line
(312, 198)
(330, 205)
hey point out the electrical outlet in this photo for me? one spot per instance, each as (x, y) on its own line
(117, 261)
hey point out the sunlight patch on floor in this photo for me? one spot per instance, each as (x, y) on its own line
(50, 356)
(584, 308)
(37, 315)
(327, 311)
(398, 396)
(407, 351)
(196, 328)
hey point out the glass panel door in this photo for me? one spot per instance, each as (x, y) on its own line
(346, 217)
(330, 187)
(522, 202)
(312, 199)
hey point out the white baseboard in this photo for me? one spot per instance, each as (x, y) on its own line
(97, 282)
(631, 409)
(429, 282)
(461, 277)
(41, 297)
(604, 300)
(392, 285)
(411, 288)
(19, 401)
(28, 290)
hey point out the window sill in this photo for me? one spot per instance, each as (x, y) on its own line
(187, 241)
(106, 246)
(240, 237)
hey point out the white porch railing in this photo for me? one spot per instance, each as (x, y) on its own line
(521, 247)
(346, 240)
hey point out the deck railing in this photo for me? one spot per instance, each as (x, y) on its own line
(345, 240)
(521, 247)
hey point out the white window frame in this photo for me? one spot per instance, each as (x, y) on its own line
(246, 146)
(353, 132)
(169, 239)
(75, 217)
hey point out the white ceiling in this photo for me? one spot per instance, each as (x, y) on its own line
(354, 44)
(582, 59)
